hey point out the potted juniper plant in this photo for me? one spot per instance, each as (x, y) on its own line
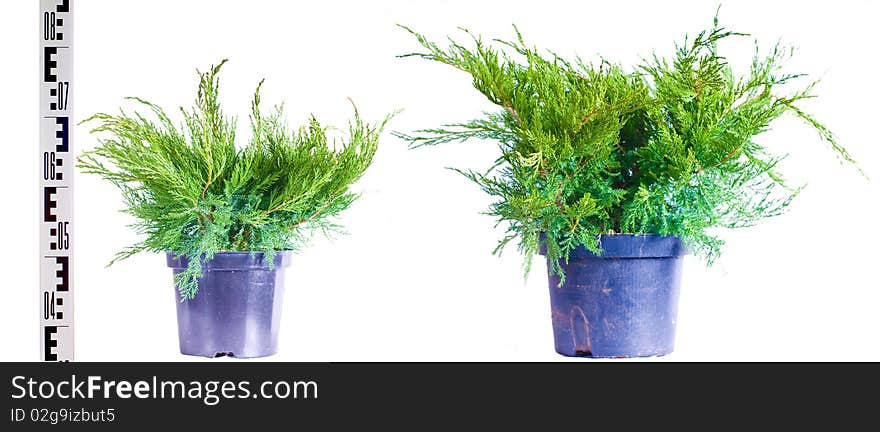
(228, 217)
(614, 175)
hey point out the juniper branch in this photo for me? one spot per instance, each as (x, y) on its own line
(590, 149)
(194, 193)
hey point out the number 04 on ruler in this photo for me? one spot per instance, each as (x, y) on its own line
(56, 180)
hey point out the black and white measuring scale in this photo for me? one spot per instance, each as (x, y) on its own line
(56, 181)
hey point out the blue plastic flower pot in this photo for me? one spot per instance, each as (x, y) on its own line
(237, 309)
(622, 303)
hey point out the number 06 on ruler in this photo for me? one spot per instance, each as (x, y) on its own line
(56, 180)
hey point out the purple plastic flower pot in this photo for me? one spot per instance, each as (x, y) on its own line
(237, 309)
(622, 303)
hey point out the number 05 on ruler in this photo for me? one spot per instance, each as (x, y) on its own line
(56, 180)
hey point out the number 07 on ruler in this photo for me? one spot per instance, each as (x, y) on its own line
(56, 181)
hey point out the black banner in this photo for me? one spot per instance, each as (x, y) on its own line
(227, 395)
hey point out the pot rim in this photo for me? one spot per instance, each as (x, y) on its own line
(232, 260)
(628, 246)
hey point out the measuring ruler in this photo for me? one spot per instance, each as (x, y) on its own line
(56, 181)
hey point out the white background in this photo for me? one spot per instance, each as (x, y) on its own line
(414, 279)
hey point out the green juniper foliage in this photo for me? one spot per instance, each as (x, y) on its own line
(193, 192)
(590, 149)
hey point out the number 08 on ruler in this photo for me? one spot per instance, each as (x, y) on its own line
(56, 180)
